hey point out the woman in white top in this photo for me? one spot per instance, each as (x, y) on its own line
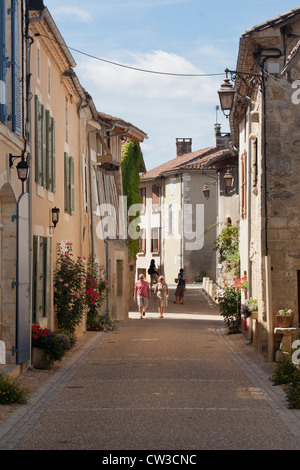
(161, 293)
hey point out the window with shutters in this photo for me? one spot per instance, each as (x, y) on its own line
(66, 119)
(142, 241)
(69, 184)
(45, 174)
(143, 197)
(155, 198)
(41, 267)
(244, 185)
(155, 240)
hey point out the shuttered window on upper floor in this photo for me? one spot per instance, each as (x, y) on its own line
(10, 60)
(45, 173)
(69, 184)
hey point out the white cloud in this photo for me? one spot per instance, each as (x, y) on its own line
(165, 107)
(136, 84)
(77, 14)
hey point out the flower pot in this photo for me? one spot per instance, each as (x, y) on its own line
(284, 321)
(254, 315)
(38, 360)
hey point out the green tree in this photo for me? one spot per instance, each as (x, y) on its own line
(132, 163)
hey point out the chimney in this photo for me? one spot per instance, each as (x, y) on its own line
(183, 146)
(222, 139)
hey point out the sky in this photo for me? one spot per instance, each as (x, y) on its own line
(187, 37)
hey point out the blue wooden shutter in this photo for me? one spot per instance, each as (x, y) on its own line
(3, 63)
(16, 69)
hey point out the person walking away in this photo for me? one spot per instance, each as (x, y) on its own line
(161, 293)
(153, 271)
(142, 294)
(179, 293)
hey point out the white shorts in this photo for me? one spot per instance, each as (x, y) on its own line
(142, 301)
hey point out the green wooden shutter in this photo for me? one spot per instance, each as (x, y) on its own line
(53, 186)
(48, 154)
(67, 183)
(36, 139)
(34, 278)
(43, 145)
(45, 276)
(72, 185)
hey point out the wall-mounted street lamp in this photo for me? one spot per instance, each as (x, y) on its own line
(206, 190)
(228, 177)
(22, 167)
(54, 217)
(227, 92)
(226, 96)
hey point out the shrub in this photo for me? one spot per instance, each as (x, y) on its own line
(229, 303)
(11, 391)
(103, 324)
(227, 245)
(69, 297)
(284, 373)
(95, 287)
(292, 391)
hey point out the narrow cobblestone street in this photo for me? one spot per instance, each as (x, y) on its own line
(178, 383)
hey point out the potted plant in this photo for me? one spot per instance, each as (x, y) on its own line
(249, 308)
(48, 346)
(284, 318)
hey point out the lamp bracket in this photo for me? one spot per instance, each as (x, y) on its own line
(251, 80)
(12, 158)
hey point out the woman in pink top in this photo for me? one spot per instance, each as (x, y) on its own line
(142, 294)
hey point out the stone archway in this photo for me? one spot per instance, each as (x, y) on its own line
(8, 261)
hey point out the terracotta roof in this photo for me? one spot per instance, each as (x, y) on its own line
(277, 21)
(189, 161)
(133, 131)
(212, 161)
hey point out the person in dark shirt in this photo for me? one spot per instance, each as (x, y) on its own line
(153, 271)
(179, 293)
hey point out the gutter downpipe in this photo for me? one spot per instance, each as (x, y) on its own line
(248, 99)
(97, 131)
(270, 322)
(28, 124)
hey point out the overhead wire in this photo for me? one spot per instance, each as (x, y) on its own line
(128, 66)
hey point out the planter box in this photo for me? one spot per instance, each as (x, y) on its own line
(284, 321)
(38, 361)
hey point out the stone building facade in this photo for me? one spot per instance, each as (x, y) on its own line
(265, 128)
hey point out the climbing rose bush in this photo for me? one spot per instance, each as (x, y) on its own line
(69, 287)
